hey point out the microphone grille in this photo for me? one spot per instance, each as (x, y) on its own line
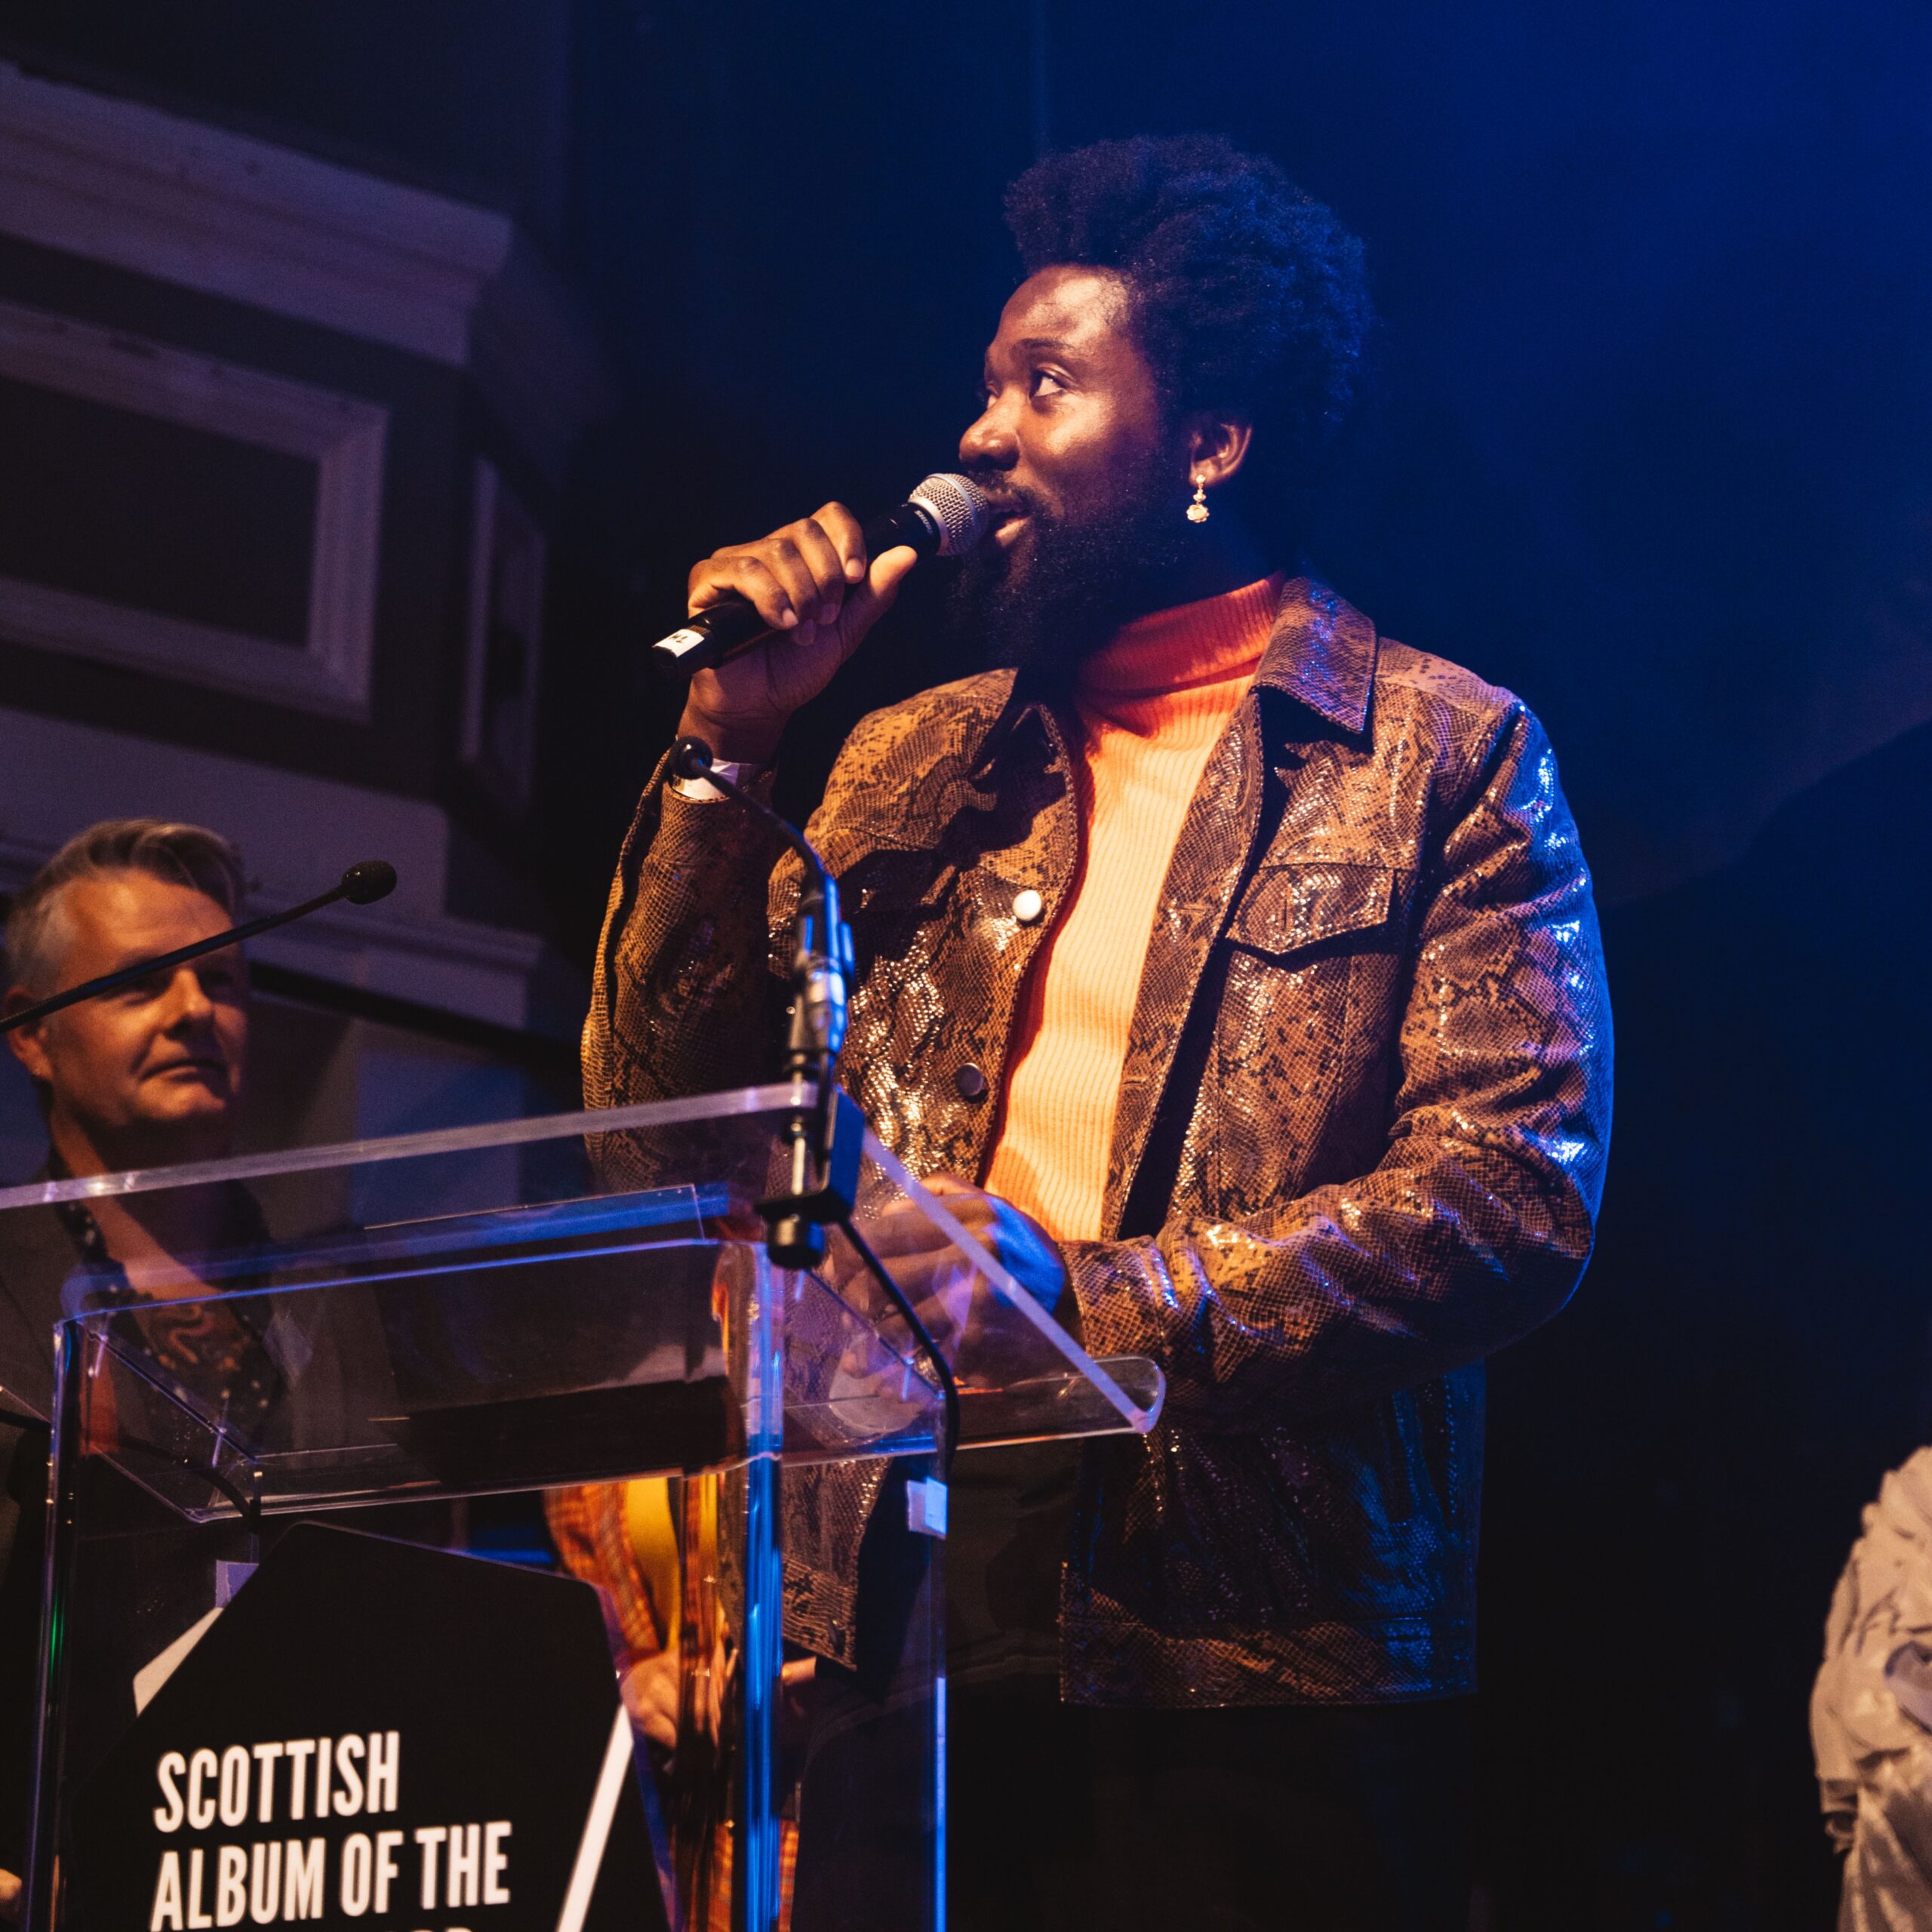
(959, 507)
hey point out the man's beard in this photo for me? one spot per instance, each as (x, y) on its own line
(1079, 582)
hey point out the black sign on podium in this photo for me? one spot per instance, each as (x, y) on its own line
(371, 1733)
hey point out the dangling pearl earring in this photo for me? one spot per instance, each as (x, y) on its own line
(1198, 511)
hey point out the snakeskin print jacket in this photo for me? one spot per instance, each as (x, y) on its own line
(1360, 1142)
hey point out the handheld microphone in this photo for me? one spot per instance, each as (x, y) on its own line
(946, 516)
(362, 884)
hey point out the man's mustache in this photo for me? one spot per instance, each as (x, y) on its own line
(1004, 498)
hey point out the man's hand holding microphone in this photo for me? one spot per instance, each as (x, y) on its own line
(771, 622)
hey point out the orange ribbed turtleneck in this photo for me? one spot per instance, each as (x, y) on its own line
(1152, 703)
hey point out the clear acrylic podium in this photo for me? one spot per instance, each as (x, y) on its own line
(381, 1333)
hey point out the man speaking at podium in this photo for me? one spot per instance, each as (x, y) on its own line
(1235, 970)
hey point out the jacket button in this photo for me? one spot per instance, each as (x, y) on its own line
(1028, 906)
(971, 1081)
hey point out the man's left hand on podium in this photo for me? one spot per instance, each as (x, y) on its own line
(934, 1274)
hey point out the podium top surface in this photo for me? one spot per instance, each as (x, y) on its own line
(583, 1296)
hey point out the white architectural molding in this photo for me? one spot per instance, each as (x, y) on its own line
(298, 834)
(342, 436)
(235, 216)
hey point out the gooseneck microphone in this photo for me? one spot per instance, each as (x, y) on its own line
(946, 516)
(827, 1132)
(362, 884)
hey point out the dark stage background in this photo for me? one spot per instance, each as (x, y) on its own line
(1652, 445)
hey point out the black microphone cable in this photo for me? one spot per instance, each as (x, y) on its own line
(948, 1387)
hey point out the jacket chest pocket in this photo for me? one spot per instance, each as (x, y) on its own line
(1306, 1032)
(1288, 907)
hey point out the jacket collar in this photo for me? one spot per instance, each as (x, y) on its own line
(1322, 651)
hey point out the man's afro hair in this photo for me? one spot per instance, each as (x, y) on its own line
(1247, 293)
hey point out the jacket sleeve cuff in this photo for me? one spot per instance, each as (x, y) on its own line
(1110, 1286)
(676, 835)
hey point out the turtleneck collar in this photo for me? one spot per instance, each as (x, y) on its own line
(1180, 649)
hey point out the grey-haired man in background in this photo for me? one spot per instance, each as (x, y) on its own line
(150, 1076)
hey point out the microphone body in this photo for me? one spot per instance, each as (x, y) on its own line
(946, 516)
(362, 884)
